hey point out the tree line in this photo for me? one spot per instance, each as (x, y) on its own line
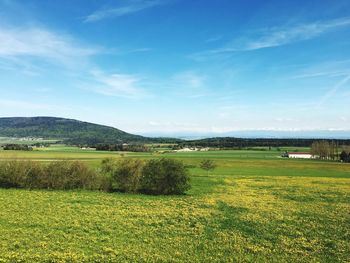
(18, 147)
(330, 150)
(121, 147)
(325, 150)
(242, 143)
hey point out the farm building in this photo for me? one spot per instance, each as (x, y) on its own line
(304, 155)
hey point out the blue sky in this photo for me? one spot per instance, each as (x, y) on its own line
(178, 66)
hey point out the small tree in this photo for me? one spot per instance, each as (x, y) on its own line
(207, 165)
(344, 157)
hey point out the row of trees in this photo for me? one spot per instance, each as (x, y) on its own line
(329, 150)
(18, 147)
(121, 147)
(325, 149)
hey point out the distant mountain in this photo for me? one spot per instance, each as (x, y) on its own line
(68, 130)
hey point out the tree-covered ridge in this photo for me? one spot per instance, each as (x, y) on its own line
(69, 130)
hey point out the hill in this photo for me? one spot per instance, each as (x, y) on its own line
(68, 130)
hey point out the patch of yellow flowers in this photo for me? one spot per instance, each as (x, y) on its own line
(243, 219)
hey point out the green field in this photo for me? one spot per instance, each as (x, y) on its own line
(255, 207)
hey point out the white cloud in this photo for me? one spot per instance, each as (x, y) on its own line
(275, 36)
(335, 73)
(190, 84)
(333, 90)
(132, 7)
(214, 39)
(281, 36)
(138, 50)
(189, 79)
(43, 44)
(326, 69)
(118, 85)
(29, 50)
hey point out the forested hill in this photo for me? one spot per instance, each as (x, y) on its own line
(68, 130)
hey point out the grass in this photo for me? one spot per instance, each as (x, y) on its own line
(256, 207)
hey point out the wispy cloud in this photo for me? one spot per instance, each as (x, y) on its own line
(190, 84)
(117, 85)
(130, 8)
(214, 39)
(31, 50)
(282, 36)
(333, 90)
(137, 50)
(275, 36)
(189, 80)
(41, 43)
(325, 69)
(321, 74)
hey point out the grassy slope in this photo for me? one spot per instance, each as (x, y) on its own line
(254, 207)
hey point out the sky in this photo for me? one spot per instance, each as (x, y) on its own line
(178, 66)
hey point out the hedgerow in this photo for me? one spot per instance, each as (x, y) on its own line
(159, 176)
(61, 175)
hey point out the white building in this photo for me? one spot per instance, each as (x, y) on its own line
(304, 155)
(187, 149)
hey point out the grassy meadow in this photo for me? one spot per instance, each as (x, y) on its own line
(255, 207)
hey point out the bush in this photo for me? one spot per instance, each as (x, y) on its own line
(11, 174)
(108, 165)
(164, 176)
(104, 183)
(34, 174)
(69, 175)
(125, 174)
(19, 174)
(56, 175)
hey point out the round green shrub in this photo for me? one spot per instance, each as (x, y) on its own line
(125, 174)
(164, 177)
